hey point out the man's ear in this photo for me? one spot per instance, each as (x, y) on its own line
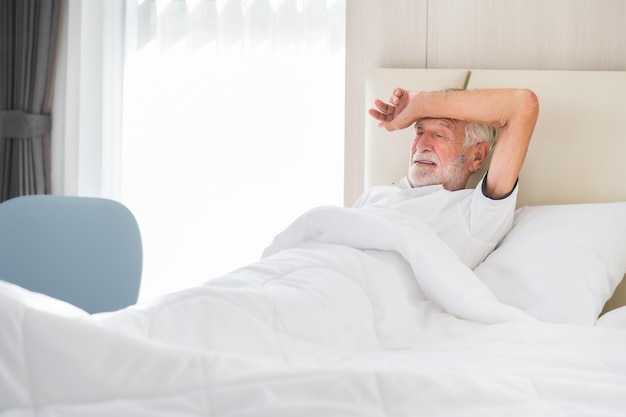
(481, 151)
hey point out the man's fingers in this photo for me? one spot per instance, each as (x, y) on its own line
(384, 107)
(378, 115)
(395, 96)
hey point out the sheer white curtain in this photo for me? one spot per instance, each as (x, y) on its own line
(232, 127)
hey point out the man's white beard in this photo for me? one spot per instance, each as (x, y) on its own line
(451, 177)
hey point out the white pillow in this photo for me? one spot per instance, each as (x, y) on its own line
(560, 263)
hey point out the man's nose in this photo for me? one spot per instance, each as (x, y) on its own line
(425, 142)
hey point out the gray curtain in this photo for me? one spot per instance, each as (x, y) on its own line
(29, 38)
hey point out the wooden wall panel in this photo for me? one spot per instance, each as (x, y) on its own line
(527, 34)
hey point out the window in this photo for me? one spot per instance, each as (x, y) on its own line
(232, 127)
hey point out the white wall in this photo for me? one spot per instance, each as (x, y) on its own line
(478, 34)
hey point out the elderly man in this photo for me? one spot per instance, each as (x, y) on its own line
(454, 134)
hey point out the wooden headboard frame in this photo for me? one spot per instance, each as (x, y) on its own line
(578, 151)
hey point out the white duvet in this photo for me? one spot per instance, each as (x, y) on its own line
(350, 313)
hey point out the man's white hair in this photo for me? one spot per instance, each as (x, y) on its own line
(478, 132)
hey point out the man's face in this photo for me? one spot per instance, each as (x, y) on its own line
(437, 154)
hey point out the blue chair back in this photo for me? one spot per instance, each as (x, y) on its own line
(83, 250)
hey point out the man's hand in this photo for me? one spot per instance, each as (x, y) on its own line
(392, 115)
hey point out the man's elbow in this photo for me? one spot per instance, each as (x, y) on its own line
(527, 104)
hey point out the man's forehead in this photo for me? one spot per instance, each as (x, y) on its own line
(447, 123)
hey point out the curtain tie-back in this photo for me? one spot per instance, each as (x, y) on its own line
(20, 124)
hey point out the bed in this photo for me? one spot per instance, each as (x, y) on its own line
(354, 313)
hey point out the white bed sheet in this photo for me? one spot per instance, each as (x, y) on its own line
(382, 322)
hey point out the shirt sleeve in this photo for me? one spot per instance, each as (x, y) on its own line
(490, 219)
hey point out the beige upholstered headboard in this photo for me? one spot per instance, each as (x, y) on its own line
(578, 150)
